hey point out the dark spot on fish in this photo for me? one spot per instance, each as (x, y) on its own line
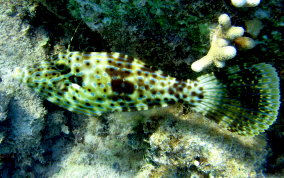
(158, 100)
(201, 88)
(177, 95)
(132, 105)
(127, 72)
(119, 64)
(185, 96)
(88, 63)
(164, 75)
(180, 89)
(122, 104)
(74, 98)
(147, 87)
(155, 75)
(192, 101)
(152, 82)
(128, 66)
(114, 72)
(64, 89)
(171, 91)
(139, 72)
(89, 90)
(162, 91)
(99, 99)
(130, 58)
(112, 105)
(193, 93)
(122, 87)
(109, 61)
(105, 90)
(175, 85)
(88, 104)
(154, 92)
(171, 101)
(127, 98)
(140, 82)
(77, 70)
(75, 79)
(200, 96)
(195, 84)
(114, 98)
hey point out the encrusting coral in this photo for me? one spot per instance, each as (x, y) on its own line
(220, 49)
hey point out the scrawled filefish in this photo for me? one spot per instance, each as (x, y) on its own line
(245, 98)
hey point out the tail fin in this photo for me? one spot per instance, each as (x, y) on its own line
(245, 99)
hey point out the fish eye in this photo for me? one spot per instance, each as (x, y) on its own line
(64, 69)
(60, 66)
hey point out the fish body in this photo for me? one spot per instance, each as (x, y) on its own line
(245, 99)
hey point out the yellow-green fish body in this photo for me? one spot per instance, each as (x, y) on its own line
(243, 98)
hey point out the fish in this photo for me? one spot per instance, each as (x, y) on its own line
(245, 98)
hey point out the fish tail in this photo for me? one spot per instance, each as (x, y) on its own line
(244, 99)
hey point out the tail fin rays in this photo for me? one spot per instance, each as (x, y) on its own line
(245, 99)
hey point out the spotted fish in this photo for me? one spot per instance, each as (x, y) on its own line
(245, 99)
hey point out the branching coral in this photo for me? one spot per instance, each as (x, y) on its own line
(245, 3)
(220, 49)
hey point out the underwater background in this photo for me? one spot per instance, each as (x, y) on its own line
(40, 139)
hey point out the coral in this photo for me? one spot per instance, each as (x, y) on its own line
(245, 3)
(190, 147)
(173, 143)
(244, 43)
(220, 49)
